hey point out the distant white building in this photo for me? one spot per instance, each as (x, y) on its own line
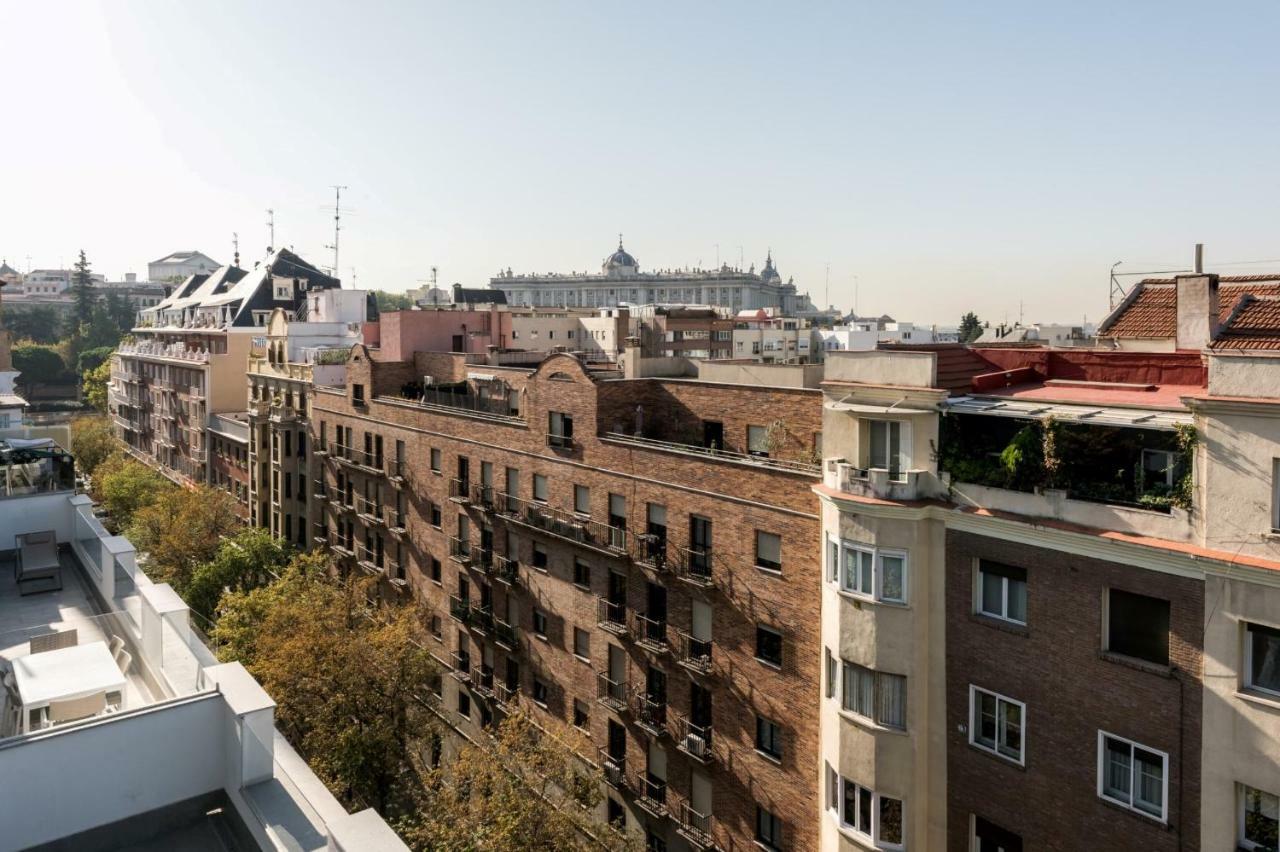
(847, 338)
(773, 339)
(1044, 334)
(181, 265)
(53, 282)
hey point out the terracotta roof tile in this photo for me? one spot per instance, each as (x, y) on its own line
(1254, 323)
(1152, 313)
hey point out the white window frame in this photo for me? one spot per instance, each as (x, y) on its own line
(1241, 813)
(871, 836)
(876, 555)
(1168, 471)
(878, 678)
(1102, 769)
(1247, 673)
(904, 447)
(1021, 759)
(979, 598)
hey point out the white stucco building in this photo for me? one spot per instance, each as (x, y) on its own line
(180, 265)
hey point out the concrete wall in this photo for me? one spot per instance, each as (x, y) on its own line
(1236, 470)
(403, 333)
(914, 369)
(1247, 374)
(754, 373)
(109, 771)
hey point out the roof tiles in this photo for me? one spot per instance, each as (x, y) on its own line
(1152, 313)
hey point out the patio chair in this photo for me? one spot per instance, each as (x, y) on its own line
(53, 641)
(124, 661)
(116, 645)
(73, 709)
(38, 561)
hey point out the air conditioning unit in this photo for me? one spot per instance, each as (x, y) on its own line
(428, 380)
(695, 745)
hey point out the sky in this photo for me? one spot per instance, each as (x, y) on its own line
(917, 159)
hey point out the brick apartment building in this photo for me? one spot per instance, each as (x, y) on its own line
(584, 554)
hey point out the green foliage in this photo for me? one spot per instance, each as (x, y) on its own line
(82, 292)
(182, 531)
(39, 364)
(119, 311)
(125, 487)
(92, 358)
(392, 301)
(38, 324)
(92, 442)
(245, 561)
(970, 327)
(94, 385)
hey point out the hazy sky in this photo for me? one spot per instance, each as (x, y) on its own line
(951, 156)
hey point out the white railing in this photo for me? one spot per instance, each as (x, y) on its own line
(175, 351)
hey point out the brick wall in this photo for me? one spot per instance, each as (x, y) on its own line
(739, 499)
(1071, 690)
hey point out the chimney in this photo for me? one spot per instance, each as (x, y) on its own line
(1197, 298)
(631, 358)
(1199, 259)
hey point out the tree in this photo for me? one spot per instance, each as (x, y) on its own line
(125, 488)
(970, 327)
(94, 385)
(246, 561)
(82, 291)
(183, 531)
(100, 332)
(120, 311)
(523, 792)
(91, 359)
(38, 324)
(92, 442)
(392, 301)
(38, 364)
(348, 687)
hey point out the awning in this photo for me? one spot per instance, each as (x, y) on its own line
(901, 407)
(1025, 409)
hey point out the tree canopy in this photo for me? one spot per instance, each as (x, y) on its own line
(124, 487)
(970, 327)
(392, 301)
(38, 364)
(182, 531)
(92, 442)
(38, 324)
(94, 383)
(245, 561)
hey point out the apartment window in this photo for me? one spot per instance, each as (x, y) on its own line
(1158, 467)
(1262, 658)
(768, 645)
(833, 560)
(996, 724)
(433, 514)
(581, 643)
(581, 574)
(540, 487)
(581, 714)
(1259, 820)
(617, 815)
(1002, 591)
(768, 828)
(768, 737)
(873, 573)
(540, 624)
(357, 394)
(758, 440)
(768, 551)
(540, 691)
(539, 557)
(877, 819)
(464, 704)
(559, 429)
(436, 629)
(833, 672)
(1138, 626)
(888, 450)
(989, 837)
(1133, 775)
(435, 460)
(435, 571)
(582, 499)
(878, 697)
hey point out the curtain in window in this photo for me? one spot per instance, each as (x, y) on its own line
(1117, 768)
(1266, 657)
(892, 584)
(890, 820)
(1150, 781)
(891, 694)
(1261, 818)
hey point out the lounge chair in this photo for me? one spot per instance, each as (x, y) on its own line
(53, 641)
(38, 561)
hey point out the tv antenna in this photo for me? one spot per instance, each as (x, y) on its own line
(271, 227)
(337, 223)
(235, 244)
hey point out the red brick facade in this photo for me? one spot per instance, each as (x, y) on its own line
(738, 497)
(1072, 689)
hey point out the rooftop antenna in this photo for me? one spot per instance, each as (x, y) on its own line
(235, 243)
(337, 223)
(271, 227)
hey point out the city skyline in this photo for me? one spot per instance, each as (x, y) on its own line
(945, 165)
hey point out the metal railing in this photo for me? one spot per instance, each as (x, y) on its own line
(694, 740)
(505, 694)
(431, 398)
(651, 792)
(370, 510)
(505, 570)
(650, 713)
(461, 549)
(724, 455)
(698, 828)
(460, 663)
(460, 608)
(483, 682)
(614, 767)
(505, 634)
(564, 525)
(693, 565)
(611, 616)
(460, 490)
(693, 654)
(611, 693)
(650, 549)
(649, 633)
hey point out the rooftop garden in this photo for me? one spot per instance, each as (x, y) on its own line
(1141, 468)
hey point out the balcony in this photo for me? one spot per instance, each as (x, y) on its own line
(396, 522)
(483, 681)
(460, 666)
(505, 695)
(650, 714)
(694, 565)
(880, 483)
(560, 442)
(369, 511)
(457, 399)
(460, 609)
(566, 526)
(650, 792)
(649, 633)
(397, 470)
(695, 827)
(693, 654)
(482, 496)
(614, 768)
(342, 549)
(506, 635)
(319, 490)
(611, 616)
(461, 550)
(649, 550)
(505, 570)
(460, 491)
(611, 693)
(481, 618)
(693, 739)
